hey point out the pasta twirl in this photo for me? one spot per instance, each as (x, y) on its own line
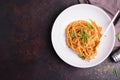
(83, 37)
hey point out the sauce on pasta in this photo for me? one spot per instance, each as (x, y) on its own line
(83, 38)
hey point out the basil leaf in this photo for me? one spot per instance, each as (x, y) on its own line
(83, 40)
(87, 35)
(80, 35)
(72, 35)
(83, 35)
(119, 36)
(115, 72)
(82, 31)
(80, 56)
(89, 26)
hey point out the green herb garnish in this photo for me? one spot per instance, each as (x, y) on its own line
(80, 35)
(115, 72)
(83, 40)
(72, 35)
(118, 36)
(82, 31)
(89, 26)
(80, 56)
(87, 35)
(83, 35)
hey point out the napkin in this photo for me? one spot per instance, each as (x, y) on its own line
(110, 7)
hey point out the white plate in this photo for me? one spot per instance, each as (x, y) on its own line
(82, 12)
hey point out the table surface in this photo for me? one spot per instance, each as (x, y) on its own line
(26, 51)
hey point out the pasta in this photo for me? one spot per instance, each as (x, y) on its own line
(83, 37)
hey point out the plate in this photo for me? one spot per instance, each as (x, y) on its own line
(82, 12)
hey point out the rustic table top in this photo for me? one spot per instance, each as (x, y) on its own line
(26, 51)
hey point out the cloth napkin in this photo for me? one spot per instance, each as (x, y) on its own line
(111, 7)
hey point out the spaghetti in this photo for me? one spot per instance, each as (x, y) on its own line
(83, 37)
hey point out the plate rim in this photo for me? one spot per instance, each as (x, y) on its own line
(109, 50)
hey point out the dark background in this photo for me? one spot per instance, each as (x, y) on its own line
(26, 51)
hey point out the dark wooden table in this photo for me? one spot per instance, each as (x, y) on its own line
(26, 51)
